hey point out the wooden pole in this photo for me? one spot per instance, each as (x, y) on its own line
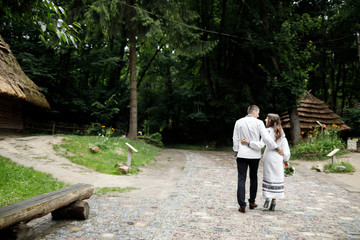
(128, 163)
(131, 149)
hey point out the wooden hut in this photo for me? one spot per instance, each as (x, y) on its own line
(17, 91)
(313, 111)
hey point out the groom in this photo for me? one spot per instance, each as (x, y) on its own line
(250, 128)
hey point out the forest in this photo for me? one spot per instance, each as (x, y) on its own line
(182, 68)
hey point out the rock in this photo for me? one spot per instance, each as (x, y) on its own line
(319, 168)
(94, 149)
(122, 167)
(120, 164)
(120, 152)
(341, 168)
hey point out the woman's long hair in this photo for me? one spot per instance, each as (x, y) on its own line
(275, 123)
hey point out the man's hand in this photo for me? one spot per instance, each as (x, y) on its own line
(281, 152)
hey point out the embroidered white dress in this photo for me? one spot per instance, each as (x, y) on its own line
(273, 166)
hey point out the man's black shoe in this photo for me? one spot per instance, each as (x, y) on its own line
(252, 205)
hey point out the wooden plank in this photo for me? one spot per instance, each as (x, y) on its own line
(131, 147)
(43, 204)
(333, 152)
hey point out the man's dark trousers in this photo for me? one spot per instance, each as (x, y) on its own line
(242, 165)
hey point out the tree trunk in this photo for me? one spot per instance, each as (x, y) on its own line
(133, 89)
(323, 76)
(336, 87)
(295, 130)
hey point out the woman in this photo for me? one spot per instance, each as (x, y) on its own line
(273, 162)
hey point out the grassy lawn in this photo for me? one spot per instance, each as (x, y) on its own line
(112, 151)
(18, 183)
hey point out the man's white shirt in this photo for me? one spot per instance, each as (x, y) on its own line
(251, 129)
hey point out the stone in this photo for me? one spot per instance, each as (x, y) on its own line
(120, 152)
(341, 168)
(319, 168)
(94, 149)
(122, 167)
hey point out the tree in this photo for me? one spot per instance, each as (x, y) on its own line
(47, 16)
(132, 65)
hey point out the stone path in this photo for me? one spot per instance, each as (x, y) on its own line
(203, 205)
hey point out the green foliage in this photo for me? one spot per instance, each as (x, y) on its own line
(107, 111)
(112, 151)
(19, 183)
(294, 58)
(199, 64)
(352, 119)
(154, 139)
(334, 168)
(318, 145)
(46, 15)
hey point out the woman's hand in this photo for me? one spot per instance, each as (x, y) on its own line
(244, 141)
(287, 165)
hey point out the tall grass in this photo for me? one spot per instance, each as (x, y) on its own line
(18, 183)
(112, 151)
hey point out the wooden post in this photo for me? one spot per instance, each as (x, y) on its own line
(77, 210)
(130, 149)
(322, 128)
(333, 155)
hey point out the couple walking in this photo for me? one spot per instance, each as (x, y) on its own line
(250, 136)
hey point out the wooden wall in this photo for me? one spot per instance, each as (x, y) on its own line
(11, 114)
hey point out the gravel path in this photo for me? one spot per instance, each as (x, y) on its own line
(202, 205)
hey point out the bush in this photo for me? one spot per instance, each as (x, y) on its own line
(318, 144)
(334, 168)
(154, 139)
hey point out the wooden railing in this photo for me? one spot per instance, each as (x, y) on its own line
(52, 127)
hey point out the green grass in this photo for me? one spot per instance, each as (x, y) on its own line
(333, 167)
(107, 190)
(19, 183)
(105, 160)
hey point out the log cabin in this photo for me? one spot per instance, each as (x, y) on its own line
(17, 91)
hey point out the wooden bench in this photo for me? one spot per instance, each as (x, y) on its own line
(65, 203)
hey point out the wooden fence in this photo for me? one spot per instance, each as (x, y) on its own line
(55, 128)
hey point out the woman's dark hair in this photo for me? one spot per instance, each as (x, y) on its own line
(275, 122)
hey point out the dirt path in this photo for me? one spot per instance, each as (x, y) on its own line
(154, 181)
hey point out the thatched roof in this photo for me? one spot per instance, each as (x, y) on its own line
(13, 81)
(311, 110)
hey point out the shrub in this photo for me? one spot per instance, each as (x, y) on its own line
(334, 168)
(319, 143)
(154, 139)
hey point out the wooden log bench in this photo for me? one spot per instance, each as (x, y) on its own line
(65, 203)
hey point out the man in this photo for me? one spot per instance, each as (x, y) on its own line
(250, 128)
